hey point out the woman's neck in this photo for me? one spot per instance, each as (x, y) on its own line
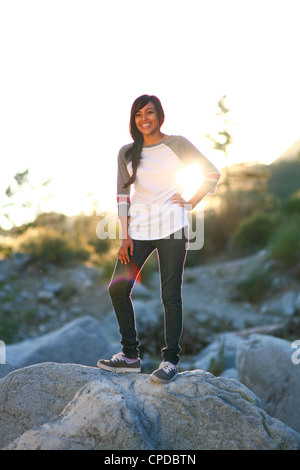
(154, 139)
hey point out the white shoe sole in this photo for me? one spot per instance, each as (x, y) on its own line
(118, 369)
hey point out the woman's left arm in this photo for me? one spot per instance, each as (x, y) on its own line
(188, 154)
(208, 186)
(191, 203)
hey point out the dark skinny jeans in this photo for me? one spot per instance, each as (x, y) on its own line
(171, 252)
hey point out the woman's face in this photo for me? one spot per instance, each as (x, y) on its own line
(146, 120)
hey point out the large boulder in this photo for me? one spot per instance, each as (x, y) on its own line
(266, 367)
(67, 406)
(81, 341)
(219, 354)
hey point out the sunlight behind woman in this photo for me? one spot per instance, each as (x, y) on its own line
(190, 178)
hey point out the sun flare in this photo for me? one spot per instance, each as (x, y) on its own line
(190, 179)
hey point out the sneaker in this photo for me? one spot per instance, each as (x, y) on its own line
(165, 373)
(120, 363)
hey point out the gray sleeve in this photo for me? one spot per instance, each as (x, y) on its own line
(123, 194)
(188, 153)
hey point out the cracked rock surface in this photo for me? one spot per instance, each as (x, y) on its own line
(69, 406)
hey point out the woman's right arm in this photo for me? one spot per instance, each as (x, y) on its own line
(123, 201)
(126, 247)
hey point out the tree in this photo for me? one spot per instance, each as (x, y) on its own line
(23, 199)
(226, 138)
(223, 138)
(226, 203)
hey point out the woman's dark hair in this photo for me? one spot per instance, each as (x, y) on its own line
(133, 154)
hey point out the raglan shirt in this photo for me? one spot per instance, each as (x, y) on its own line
(147, 203)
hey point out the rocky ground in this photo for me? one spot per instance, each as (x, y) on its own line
(72, 407)
(35, 302)
(62, 315)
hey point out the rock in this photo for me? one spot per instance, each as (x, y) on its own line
(278, 329)
(2, 353)
(111, 328)
(45, 296)
(53, 287)
(230, 373)
(284, 305)
(141, 291)
(265, 366)
(72, 407)
(297, 305)
(20, 260)
(289, 303)
(5, 269)
(220, 353)
(27, 401)
(82, 341)
(147, 314)
(80, 279)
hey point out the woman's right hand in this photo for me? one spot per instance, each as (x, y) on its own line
(124, 250)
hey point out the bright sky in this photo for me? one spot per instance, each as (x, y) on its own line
(70, 70)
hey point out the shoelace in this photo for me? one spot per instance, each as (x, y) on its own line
(117, 357)
(167, 367)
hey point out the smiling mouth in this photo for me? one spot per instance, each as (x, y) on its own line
(146, 125)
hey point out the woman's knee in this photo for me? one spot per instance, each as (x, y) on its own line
(171, 298)
(119, 289)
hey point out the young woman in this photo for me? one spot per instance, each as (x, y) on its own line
(153, 216)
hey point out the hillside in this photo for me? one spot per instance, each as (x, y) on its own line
(284, 178)
(291, 154)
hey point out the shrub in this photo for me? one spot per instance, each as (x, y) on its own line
(254, 232)
(5, 251)
(292, 206)
(51, 246)
(285, 242)
(254, 287)
(7, 246)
